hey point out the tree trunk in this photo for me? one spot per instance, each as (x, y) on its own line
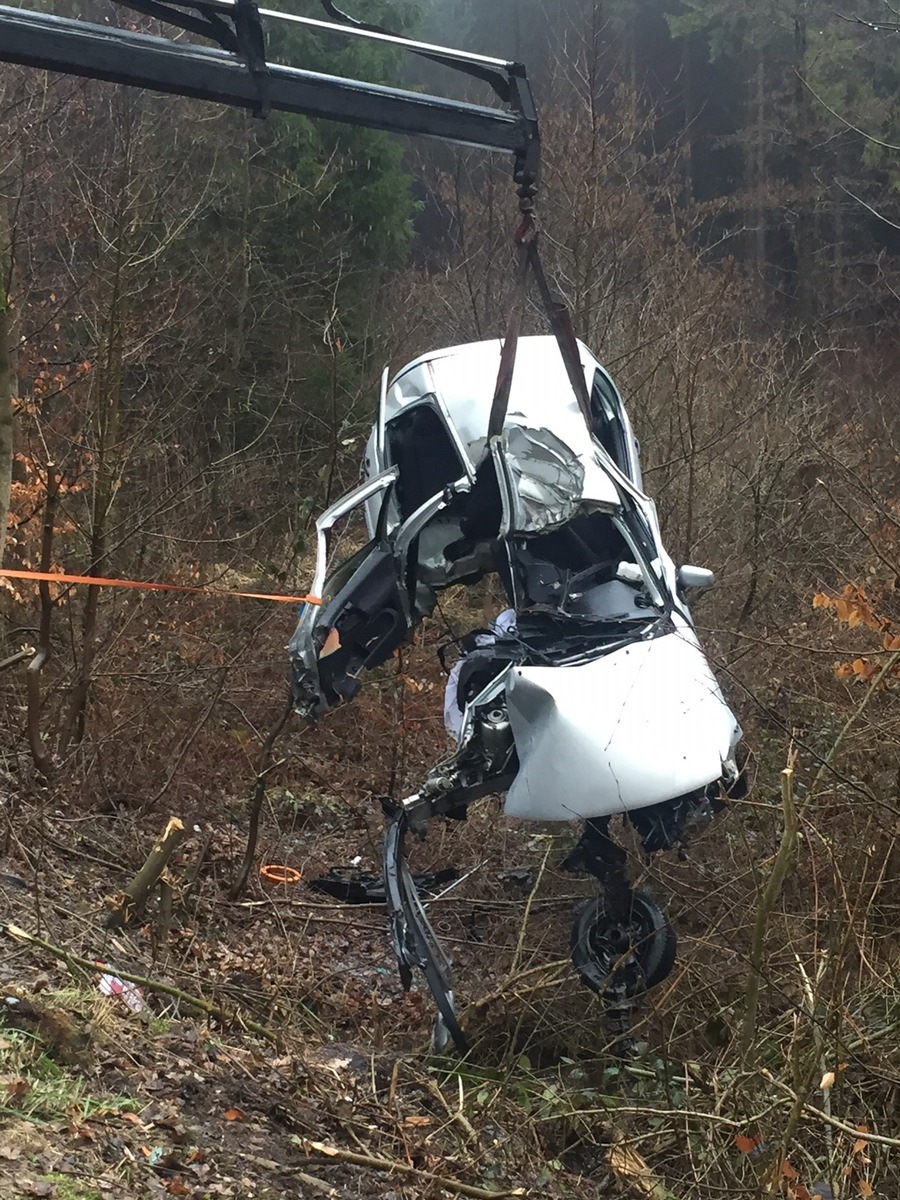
(759, 171)
(107, 392)
(805, 236)
(690, 115)
(8, 381)
(136, 893)
(106, 395)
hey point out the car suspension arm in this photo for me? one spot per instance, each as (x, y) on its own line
(415, 943)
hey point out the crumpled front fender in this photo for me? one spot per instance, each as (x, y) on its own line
(641, 725)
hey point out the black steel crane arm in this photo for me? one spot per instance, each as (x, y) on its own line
(239, 75)
(470, 64)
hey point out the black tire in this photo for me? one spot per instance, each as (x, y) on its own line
(630, 955)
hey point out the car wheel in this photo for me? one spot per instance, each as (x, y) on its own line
(629, 954)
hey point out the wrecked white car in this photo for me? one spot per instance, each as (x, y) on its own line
(593, 696)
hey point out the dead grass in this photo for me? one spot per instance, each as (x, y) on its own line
(542, 1103)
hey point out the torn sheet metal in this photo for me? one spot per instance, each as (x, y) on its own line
(549, 483)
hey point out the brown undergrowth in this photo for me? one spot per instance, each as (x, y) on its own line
(178, 1101)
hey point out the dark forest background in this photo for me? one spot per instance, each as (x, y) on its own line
(196, 310)
(198, 300)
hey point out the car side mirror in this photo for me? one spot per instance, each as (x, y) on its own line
(696, 579)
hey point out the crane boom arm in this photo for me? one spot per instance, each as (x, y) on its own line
(227, 76)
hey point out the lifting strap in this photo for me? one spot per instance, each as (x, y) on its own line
(555, 310)
(525, 238)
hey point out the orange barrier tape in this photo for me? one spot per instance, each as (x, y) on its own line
(98, 581)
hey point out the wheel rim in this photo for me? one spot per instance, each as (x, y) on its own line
(624, 956)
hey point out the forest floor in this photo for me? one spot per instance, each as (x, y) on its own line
(101, 1101)
(292, 1064)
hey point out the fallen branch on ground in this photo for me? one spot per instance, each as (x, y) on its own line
(852, 1131)
(547, 974)
(318, 1185)
(153, 985)
(392, 1167)
(455, 1114)
(19, 656)
(616, 1109)
(311, 1182)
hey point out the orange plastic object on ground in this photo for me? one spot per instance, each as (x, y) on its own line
(276, 873)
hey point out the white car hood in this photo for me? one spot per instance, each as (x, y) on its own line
(643, 724)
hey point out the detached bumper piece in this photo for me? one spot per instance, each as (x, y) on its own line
(415, 943)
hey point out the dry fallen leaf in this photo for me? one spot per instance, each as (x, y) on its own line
(745, 1144)
(322, 1148)
(17, 1089)
(865, 1188)
(633, 1169)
